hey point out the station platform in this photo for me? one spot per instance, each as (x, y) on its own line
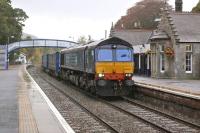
(189, 88)
(24, 108)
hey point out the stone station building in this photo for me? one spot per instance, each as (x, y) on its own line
(170, 51)
(175, 46)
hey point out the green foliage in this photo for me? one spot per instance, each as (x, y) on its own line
(11, 22)
(35, 55)
(28, 38)
(82, 40)
(196, 8)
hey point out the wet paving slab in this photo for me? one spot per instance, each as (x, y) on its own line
(22, 108)
(8, 101)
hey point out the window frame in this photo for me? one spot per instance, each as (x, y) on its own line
(97, 56)
(188, 46)
(162, 58)
(188, 51)
(186, 65)
(129, 50)
(162, 48)
(162, 62)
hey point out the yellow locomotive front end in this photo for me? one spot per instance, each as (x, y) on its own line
(114, 69)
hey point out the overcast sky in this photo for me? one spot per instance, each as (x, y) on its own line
(62, 19)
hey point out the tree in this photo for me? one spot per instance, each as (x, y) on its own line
(196, 8)
(11, 21)
(142, 15)
(82, 40)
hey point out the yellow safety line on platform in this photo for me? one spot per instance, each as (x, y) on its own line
(27, 123)
(57, 114)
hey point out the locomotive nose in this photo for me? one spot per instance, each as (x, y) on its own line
(113, 70)
(114, 67)
(101, 83)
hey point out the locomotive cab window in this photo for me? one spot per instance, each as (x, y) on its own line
(105, 55)
(123, 55)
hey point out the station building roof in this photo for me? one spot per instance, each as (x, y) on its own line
(134, 37)
(159, 34)
(186, 26)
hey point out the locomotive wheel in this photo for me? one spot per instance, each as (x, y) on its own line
(81, 82)
(87, 87)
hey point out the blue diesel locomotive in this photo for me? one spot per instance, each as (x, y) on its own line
(104, 67)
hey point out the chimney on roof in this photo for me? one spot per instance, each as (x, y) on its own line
(112, 30)
(178, 5)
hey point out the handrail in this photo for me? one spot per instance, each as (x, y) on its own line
(41, 43)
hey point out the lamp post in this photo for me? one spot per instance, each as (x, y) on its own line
(7, 59)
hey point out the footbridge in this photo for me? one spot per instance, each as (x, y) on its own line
(33, 43)
(40, 43)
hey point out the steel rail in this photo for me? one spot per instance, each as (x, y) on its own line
(138, 117)
(85, 109)
(161, 113)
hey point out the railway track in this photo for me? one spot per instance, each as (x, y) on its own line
(142, 105)
(122, 113)
(159, 119)
(78, 117)
(85, 109)
(119, 121)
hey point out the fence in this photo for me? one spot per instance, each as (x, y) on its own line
(3, 57)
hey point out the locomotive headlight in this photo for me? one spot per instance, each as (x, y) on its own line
(128, 75)
(101, 75)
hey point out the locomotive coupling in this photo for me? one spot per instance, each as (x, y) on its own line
(101, 83)
(129, 82)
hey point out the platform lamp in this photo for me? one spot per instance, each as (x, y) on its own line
(8, 41)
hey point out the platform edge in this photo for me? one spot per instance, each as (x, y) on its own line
(59, 117)
(167, 90)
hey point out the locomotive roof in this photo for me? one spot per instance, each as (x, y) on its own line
(111, 40)
(114, 40)
(77, 47)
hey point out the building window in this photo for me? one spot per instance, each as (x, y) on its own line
(162, 59)
(188, 59)
(162, 63)
(162, 48)
(188, 48)
(188, 63)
